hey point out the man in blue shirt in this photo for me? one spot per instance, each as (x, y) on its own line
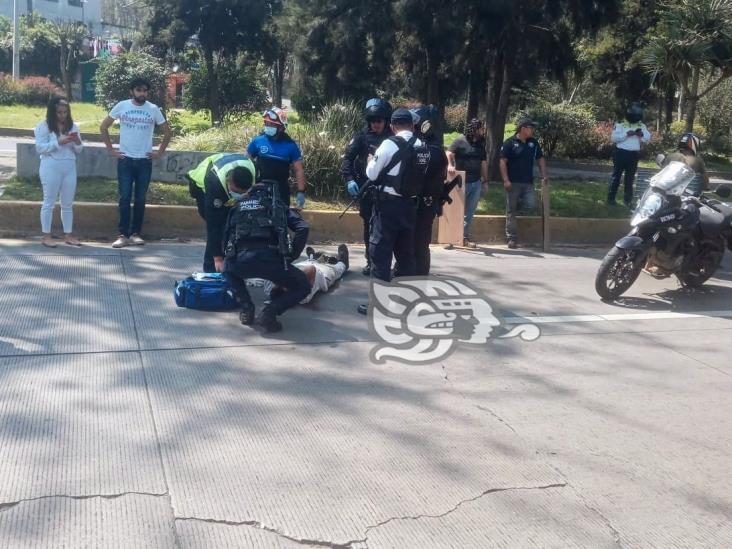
(518, 155)
(273, 151)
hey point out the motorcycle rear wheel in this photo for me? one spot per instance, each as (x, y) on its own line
(618, 271)
(702, 268)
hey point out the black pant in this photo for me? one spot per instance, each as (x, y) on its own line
(623, 161)
(423, 237)
(392, 233)
(366, 210)
(266, 263)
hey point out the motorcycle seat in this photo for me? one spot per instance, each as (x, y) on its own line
(713, 223)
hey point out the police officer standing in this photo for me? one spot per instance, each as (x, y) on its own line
(353, 168)
(209, 184)
(628, 136)
(430, 202)
(256, 236)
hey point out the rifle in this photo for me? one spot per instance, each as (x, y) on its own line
(457, 181)
(279, 222)
(358, 197)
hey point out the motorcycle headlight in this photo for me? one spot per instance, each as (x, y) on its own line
(648, 206)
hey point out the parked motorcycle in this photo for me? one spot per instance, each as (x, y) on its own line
(674, 233)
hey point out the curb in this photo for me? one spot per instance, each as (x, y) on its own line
(99, 221)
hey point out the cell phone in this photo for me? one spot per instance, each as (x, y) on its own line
(73, 134)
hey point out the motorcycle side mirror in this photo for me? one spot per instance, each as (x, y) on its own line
(724, 191)
(660, 157)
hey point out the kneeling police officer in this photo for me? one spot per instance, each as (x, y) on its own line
(256, 247)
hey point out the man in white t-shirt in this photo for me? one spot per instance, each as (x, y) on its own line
(137, 120)
(321, 270)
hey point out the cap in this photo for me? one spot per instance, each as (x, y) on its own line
(526, 122)
(402, 115)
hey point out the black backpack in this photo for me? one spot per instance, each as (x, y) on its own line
(415, 160)
(257, 216)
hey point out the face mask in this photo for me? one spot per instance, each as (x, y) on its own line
(270, 131)
(235, 196)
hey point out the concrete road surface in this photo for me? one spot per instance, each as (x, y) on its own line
(128, 422)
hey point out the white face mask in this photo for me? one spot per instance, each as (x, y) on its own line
(235, 196)
(270, 131)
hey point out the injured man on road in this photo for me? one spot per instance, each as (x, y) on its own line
(322, 271)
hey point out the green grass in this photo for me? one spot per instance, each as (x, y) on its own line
(570, 198)
(87, 115)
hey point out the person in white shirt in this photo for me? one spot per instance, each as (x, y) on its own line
(137, 118)
(58, 142)
(628, 137)
(321, 270)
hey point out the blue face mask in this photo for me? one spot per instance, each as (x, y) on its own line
(270, 131)
(235, 196)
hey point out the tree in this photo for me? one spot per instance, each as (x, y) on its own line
(692, 44)
(223, 28)
(114, 75)
(69, 37)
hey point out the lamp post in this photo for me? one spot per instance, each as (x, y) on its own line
(16, 40)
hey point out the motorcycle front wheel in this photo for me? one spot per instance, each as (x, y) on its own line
(618, 271)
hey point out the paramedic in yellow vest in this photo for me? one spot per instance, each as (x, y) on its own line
(209, 185)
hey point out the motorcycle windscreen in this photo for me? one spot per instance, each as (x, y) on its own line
(673, 179)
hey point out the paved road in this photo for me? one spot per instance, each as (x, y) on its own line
(127, 422)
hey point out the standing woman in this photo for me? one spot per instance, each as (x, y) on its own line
(58, 143)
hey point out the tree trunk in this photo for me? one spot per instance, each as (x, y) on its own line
(498, 98)
(670, 98)
(64, 66)
(474, 85)
(433, 84)
(212, 82)
(279, 78)
(692, 100)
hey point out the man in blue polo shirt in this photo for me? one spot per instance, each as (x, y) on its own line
(518, 155)
(273, 151)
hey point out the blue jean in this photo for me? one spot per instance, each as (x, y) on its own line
(472, 197)
(133, 177)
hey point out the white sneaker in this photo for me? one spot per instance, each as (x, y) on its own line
(121, 242)
(136, 240)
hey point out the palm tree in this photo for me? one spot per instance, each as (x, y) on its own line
(692, 43)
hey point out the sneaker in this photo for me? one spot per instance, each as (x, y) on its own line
(48, 242)
(121, 242)
(512, 244)
(366, 271)
(343, 254)
(310, 252)
(136, 240)
(246, 315)
(467, 243)
(363, 309)
(267, 319)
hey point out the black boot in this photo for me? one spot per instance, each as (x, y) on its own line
(246, 315)
(343, 254)
(267, 319)
(366, 271)
(363, 309)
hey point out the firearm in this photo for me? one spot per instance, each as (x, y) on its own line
(361, 192)
(457, 181)
(279, 222)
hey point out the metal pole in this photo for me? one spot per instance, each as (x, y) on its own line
(16, 40)
(545, 214)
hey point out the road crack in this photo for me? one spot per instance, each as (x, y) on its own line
(10, 504)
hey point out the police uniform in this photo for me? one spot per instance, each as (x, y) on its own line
(253, 250)
(353, 168)
(428, 207)
(627, 154)
(395, 216)
(207, 185)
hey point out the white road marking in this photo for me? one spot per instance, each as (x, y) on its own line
(663, 315)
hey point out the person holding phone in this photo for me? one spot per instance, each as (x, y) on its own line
(58, 142)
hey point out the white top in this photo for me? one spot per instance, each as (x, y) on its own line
(383, 156)
(325, 276)
(136, 126)
(47, 145)
(629, 142)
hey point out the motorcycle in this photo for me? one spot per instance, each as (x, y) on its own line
(674, 233)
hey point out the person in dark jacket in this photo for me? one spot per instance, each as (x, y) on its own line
(353, 168)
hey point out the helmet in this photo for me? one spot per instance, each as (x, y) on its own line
(276, 116)
(377, 108)
(425, 118)
(634, 113)
(689, 141)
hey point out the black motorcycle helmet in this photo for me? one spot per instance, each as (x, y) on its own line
(634, 113)
(377, 108)
(425, 118)
(690, 142)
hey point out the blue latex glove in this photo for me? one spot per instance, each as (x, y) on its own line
(300, 199)
(352, 188)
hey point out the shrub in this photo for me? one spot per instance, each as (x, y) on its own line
(115, 74)
(33, 90)
(565, 129)
(341, 119)
(455, 117)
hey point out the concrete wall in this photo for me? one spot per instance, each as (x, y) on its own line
(99, 221)
(94, 161)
